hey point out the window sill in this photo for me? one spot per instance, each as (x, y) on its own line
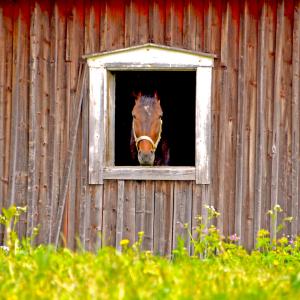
(150, 173)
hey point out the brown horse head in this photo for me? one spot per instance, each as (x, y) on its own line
(146, 127)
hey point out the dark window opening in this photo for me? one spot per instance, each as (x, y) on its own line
(177, 93)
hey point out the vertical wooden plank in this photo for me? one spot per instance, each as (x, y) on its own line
(295, 120)
(143, 22)
(17, 161)
(103, 25)
(84, 201)
(207, 28)
(212, 35)
(145, 213)
(7, 68)
(260, 121)
(196, 211)
(57, 71)
(120, 214)
(82, 172)
(67, 116)
(241, 122)
(8, 106)
(163, 217)
(129, 210)
(182, 212)
(200, 200)
(251, 123)
(140, 207)
(205, 201)
(110, 136)
(277, 109)
(156, 22)
(203, 124)
(2, 108)
(92, 27)
(43, 96)
(109, 212)
(64, 116)
(199, 20)
(33, 122)
(220, 204)
(189, 25)
(226, 74)
(131, 24)
(70, 151)
(96, 192)
(96, 126)
(285, 160)
(148, 193)
(174, 23)
(91, 34)
(270, 44)
(78, 183)
(113, 25)
(232, 66)
(70, 213)
(17, 42)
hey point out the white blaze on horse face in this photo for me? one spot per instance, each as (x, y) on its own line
(147, 109)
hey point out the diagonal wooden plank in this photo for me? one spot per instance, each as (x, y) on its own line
(69, 158)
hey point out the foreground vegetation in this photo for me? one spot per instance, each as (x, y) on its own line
(219, 269)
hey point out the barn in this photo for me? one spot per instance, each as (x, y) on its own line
(231, 69)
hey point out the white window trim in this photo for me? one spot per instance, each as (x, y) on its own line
(102, 110)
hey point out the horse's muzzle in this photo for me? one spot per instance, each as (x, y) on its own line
(146, 158)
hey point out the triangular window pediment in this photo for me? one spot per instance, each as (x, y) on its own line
(151, 54)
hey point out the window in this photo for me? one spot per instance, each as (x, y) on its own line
(177, 93)
(183, 81)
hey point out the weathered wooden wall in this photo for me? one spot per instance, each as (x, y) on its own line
(255, 115)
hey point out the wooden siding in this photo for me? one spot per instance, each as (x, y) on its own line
(255, 117)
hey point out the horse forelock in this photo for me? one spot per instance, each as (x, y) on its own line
(147, 100)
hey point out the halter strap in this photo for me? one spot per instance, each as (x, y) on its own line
(147, 138)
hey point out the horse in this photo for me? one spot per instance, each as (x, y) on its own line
(147, 144)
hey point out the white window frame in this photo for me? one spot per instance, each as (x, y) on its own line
(102, 111)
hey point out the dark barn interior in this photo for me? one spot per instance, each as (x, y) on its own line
(177, 94)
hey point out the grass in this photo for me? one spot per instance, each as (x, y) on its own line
(225, 270)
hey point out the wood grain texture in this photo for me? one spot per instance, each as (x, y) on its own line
(295, 120)
(147, 195)
(54, 107)
(69, 158)
(163, 217)
(254, 118)
(2, 111)
(154, 173)
(129, 212)
(110, 194)
(183, 195)
(120, 214)
(203, 125)
(241, 115)
(96, 126)
(92, 44)
(277, 110)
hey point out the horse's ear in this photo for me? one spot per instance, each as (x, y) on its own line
(156, 95)
(136, 96)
